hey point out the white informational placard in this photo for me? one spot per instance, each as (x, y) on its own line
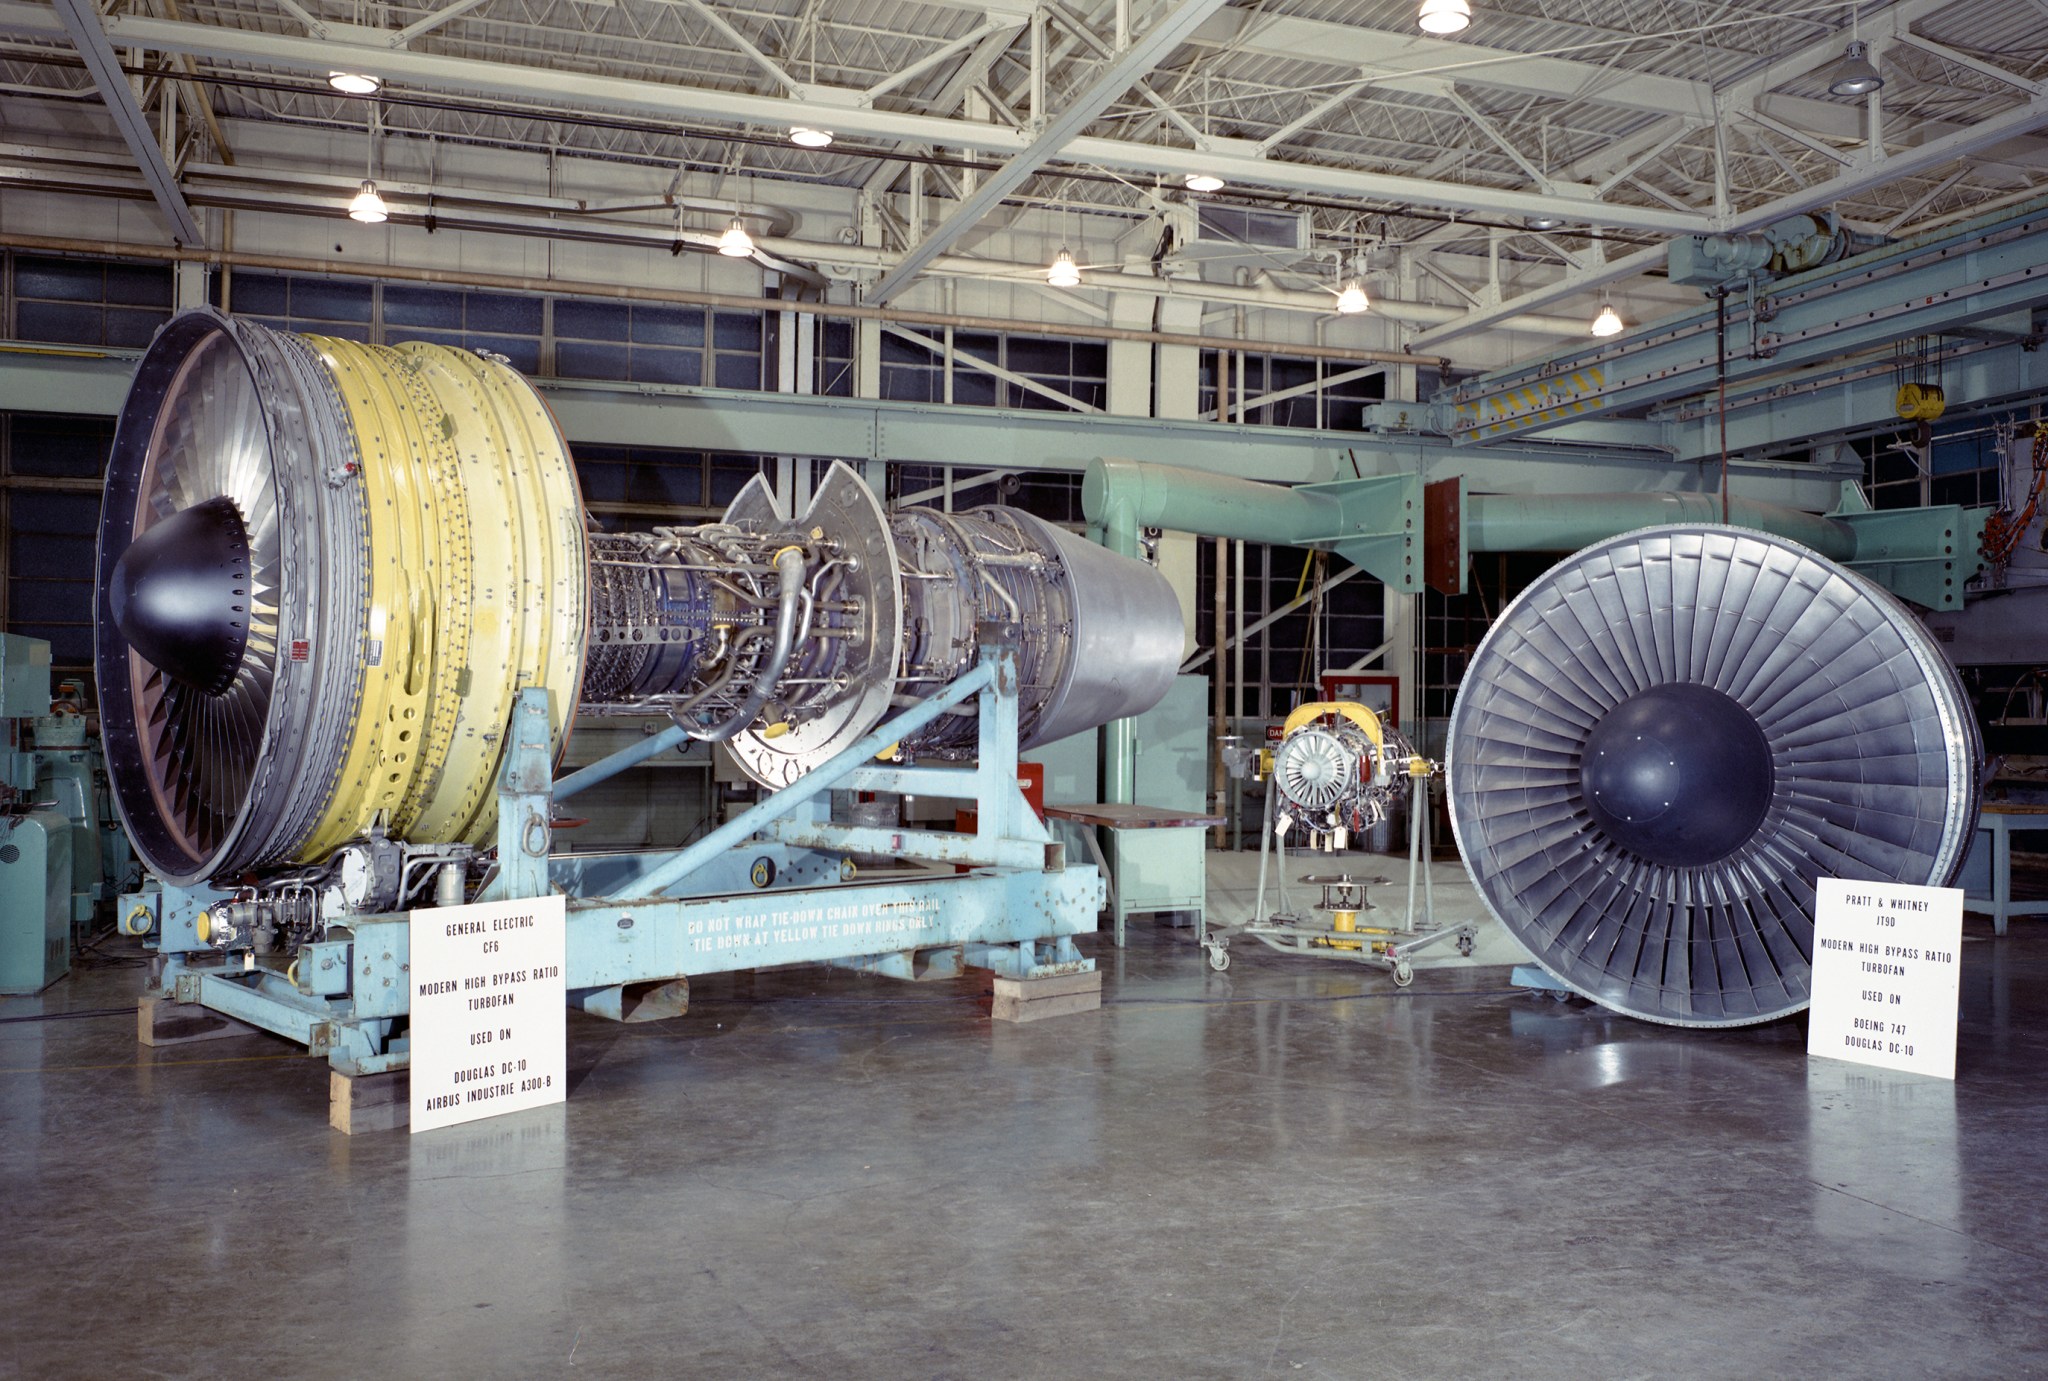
(1886, 973)
(489, 1023)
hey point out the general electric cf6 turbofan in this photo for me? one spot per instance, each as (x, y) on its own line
(350, 603)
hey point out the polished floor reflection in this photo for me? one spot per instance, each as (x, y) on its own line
(1287, 1169)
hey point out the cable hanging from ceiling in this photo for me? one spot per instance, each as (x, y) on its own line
(368, 206)
(1855, 74)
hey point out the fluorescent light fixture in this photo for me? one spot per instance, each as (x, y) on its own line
(736, 243)
(355, 83)
(368, 207)
(1854, 75)
(1353, 300)
(1064, 273)
(1444, 16)
(803, 136)
(1609, 322)
(1203, 182)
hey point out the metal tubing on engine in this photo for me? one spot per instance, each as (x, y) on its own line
(789, 577)
(819, 779)
(610, 766)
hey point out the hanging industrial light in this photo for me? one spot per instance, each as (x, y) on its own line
(355, 83)
(1064, 273)
(1444, 16)
(1542, 223)
(736, 243)
(1203, 182)
(1609, 322)
(368, 207)
(1353, 300)
(803, 136)
(1855, 74)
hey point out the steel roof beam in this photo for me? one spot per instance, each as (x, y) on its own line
(81, 23)
(1983, 268)
(664, 100)
(1570, 285)
(1420, 65)
(1145, 53)
(1870, 173)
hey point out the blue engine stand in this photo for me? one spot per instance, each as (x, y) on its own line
(773, 886)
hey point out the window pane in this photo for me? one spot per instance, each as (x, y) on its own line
(68, 446)
(258, 294)
(503, 312)
(668, 325)
(576, 360)
(737, 331)
(139, 285)
(133, 327)
(323, 300)
(592, 320)
(654, 366)
(739, 371)
(407, 305)
(62, 322)
(68, 280)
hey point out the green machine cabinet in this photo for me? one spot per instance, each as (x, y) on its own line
(1156, 859)
(1152, 854)
(35, 844)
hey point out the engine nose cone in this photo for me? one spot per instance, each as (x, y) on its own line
(180, 595)
(1678, 773)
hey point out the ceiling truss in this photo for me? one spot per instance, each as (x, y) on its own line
(1544, 155)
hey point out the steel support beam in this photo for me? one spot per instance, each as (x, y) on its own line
(1146, 53)
(1935, 284)
(1572, 284)
(82, 23)
(1775, 416)
(552, 87)
(750, 423)
(51, 378)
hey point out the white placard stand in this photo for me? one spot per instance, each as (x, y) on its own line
(1886, 974)
(489, 1021)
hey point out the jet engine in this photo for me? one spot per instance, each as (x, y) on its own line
(1665, 740)
(326, 570)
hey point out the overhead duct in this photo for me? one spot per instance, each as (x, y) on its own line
(1118, 493)
(1665, 740)
(327, 569)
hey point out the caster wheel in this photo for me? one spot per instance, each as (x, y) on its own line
(1465, 946)
(1404, 974)
(1219, 958)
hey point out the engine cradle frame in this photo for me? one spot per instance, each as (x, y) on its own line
(639, 918)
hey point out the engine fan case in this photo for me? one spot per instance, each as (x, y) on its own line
(1871, 771)
(416, 557)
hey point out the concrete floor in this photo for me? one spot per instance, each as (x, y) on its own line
(1288, 1169)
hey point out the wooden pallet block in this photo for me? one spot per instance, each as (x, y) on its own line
(160, 1021)
(369, 1102)
(1035, 999)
